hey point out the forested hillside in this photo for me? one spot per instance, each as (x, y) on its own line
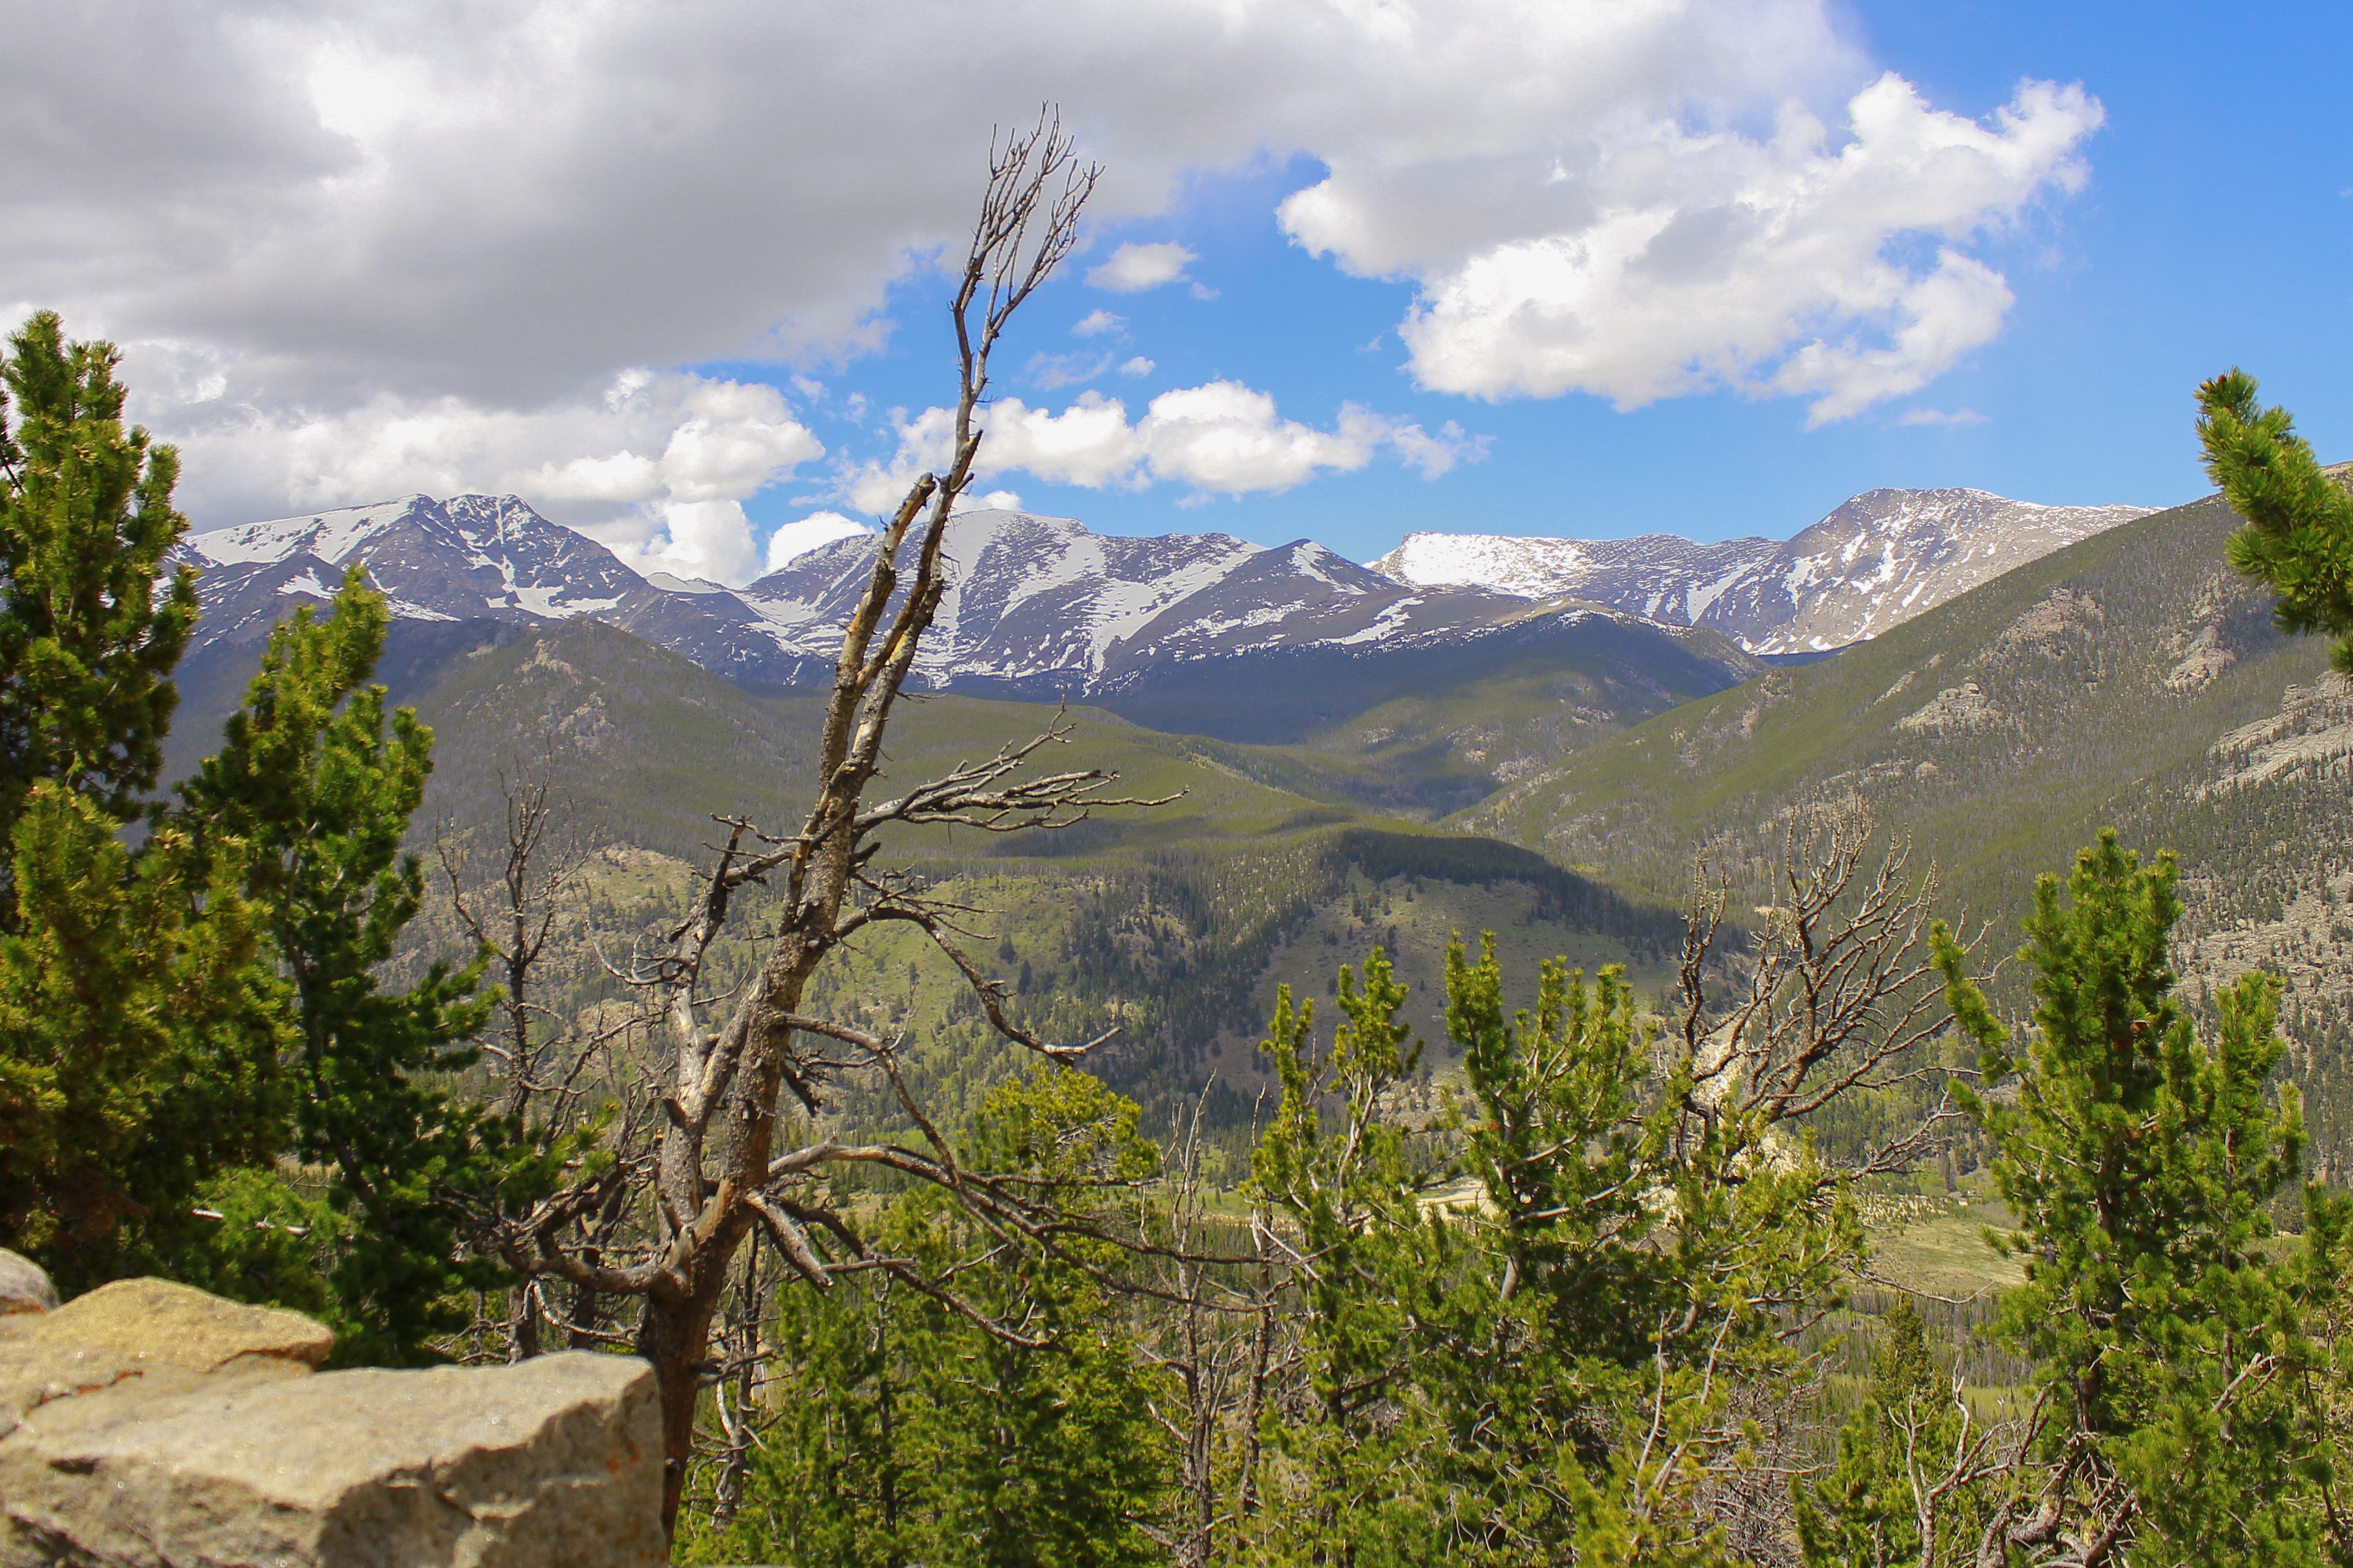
(1174, 922)
(2133, 679)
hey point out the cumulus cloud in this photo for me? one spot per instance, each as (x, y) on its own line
(657, 466)
(1139, 365)
(363, 222)
(1695, 259)
(1221, 437)
(1135, 268)
(1095, 323)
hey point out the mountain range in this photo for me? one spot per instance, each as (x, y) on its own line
(1042, 605)
(1879, 558)
(1193, 634)
(1037, 604)
(2129, 678)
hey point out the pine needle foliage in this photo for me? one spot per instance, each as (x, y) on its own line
(88, 636)
(1521, 1321)
(2142, 1163)
(2298, 538)
(318, 783)
(139, 1028)
(138, 1033)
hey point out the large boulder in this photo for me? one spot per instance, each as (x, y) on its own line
(158, 1323)
(149, 1424)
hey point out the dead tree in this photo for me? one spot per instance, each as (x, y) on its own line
(554, 1063)
(723, 1166)
(512, 921)
(1837, 990)
(1216, 1341)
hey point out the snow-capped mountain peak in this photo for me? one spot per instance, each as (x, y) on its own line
(329, 536)
(1879, 558)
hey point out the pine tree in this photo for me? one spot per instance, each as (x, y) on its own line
(2299, 540)
(2141, 1161)
(908, 1431)
(1902, 1368)
(138, 1028)
(139, 1040)
(87, 642)
(318, 783)
(1865, 1513)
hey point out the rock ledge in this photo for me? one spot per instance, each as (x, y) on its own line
(146, 1423)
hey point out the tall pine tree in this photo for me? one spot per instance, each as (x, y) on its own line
(2141, 1162)
(318, 783)
(88, 642)
(139, 1021)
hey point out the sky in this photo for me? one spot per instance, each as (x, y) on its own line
(672, 273)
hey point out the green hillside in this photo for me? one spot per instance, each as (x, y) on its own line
(2095, 686)
(1430, 726)
(1175, 921)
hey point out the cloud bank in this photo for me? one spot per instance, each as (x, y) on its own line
(1218, 438)
(656, 466)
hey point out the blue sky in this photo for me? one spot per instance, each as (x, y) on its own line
(2215, 230)
(1498, 266)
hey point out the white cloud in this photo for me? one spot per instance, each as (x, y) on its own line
(370, 220)
(1135, 268)
(1221, 437)
(656, 468)
(1701, 259)
(1940, 418)
(1435, 454)
(1139, 365)
(1226, 437)
(1095, 323)
(992, 500)
(817, 529)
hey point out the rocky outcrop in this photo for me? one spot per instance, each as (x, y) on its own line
(147, 1424)
(24, 1288)
(1965, 707)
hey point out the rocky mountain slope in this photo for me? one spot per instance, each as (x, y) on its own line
(1884, 557)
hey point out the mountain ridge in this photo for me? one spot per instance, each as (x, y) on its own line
(1038, 606)
(1879, 559)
